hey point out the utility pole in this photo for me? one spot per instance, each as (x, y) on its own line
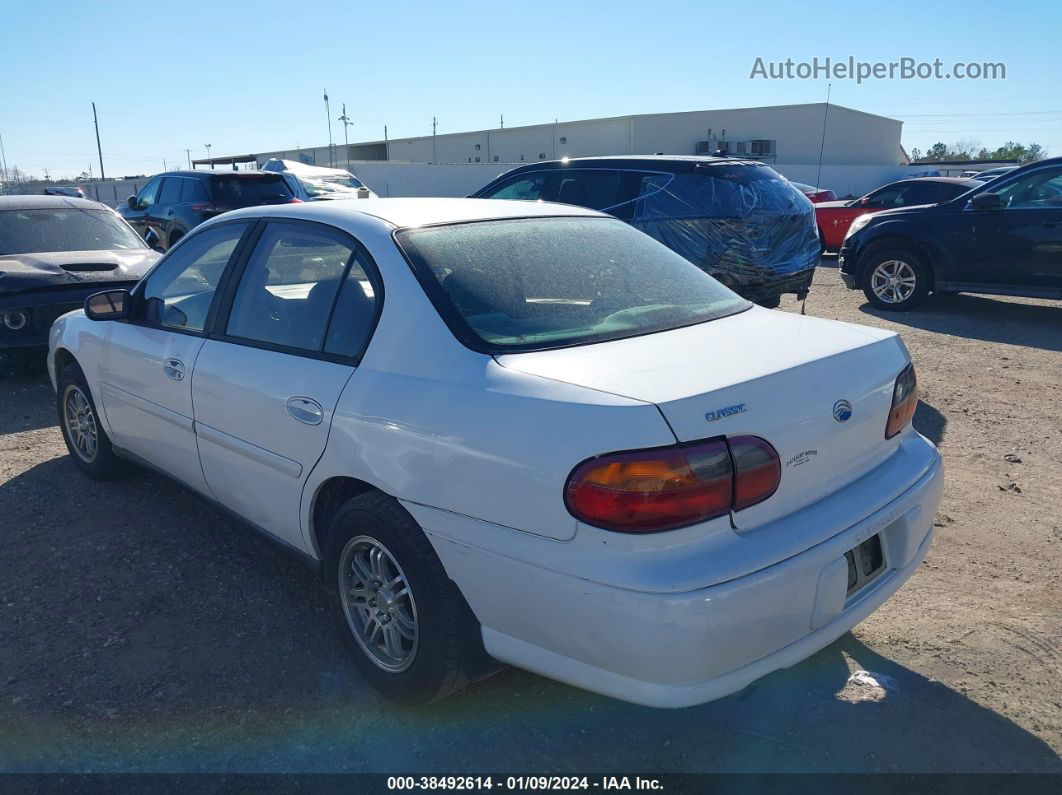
(502, 122)
(328, 115)
(99, 149)
(189, 153)
(822, 143)
(3, 165)
(434, 153)
(387, 155)
(346, 123)
(207, 146)
(165, 165)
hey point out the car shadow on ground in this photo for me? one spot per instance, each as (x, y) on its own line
(930, 423)
(142, 630)
(979, 317)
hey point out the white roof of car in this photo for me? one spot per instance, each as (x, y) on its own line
(401, 213)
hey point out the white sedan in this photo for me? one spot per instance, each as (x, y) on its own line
(516, 432)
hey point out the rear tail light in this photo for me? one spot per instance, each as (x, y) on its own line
(650, 490)
(904, 401)
(757, 470)
(295, 200)
(208, 208)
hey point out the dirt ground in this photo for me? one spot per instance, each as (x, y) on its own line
(142, 630)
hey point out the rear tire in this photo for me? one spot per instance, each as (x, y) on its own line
(895, 279)
(403, 620)
(86, 440)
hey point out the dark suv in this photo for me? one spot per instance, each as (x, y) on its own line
(174, 203)
(1003, 238)
(738, 220)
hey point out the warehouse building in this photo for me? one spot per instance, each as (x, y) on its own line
(858, 150)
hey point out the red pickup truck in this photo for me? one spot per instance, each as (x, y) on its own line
(834, 218)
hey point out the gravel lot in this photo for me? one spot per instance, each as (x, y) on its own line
(142, 630)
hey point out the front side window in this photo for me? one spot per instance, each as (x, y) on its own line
(534, 283)
(526, 188)
(179, 291)
(1038, 190)
(64, 229)
(149, 194)
(290, 283)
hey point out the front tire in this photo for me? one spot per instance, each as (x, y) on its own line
(405, 622)
(895, 279)
(86, 440)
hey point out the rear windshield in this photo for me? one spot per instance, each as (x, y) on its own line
(246, 190)
(64, 229)
(534, 283)
(735, 191)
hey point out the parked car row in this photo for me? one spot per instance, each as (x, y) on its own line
(276, 362)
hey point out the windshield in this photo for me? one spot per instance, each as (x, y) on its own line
(64, 229)
(533, 283)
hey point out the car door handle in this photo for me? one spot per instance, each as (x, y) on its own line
(174, 368)
(305, 410)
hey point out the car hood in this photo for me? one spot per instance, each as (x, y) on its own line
(914, 209)
(20, 272)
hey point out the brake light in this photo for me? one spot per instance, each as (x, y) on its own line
(662, 489)
(205, 208)
(904, 401)
(295, 200)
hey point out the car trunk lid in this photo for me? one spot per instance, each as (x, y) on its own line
(819, 391)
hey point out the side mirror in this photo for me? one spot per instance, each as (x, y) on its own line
(131, 201)
(986, 201)
(864, 202)
(108, 305)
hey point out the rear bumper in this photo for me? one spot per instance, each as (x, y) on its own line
(680, 649)
(768, 289)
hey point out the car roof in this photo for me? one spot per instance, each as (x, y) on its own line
(192, 172)
(645, 161)
(407, 212)
(946, 180)
(43, 202)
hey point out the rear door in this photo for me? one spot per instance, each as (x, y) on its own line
(288, 338)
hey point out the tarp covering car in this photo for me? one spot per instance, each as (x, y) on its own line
(743, 224)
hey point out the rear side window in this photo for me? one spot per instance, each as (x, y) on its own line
(249, 190)
(534, 283)
(171, 190)
(287, 291)
(194, 191)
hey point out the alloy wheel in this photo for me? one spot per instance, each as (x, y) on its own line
(80, 422)
(378, 604)
(893, 281)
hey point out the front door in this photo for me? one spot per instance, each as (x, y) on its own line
(1018, 247)
(266, 387)
(145, 377)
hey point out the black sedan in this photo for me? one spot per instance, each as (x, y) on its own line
(1002, 239)
(54, 252)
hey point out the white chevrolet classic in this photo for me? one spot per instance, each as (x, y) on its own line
(516, 432)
